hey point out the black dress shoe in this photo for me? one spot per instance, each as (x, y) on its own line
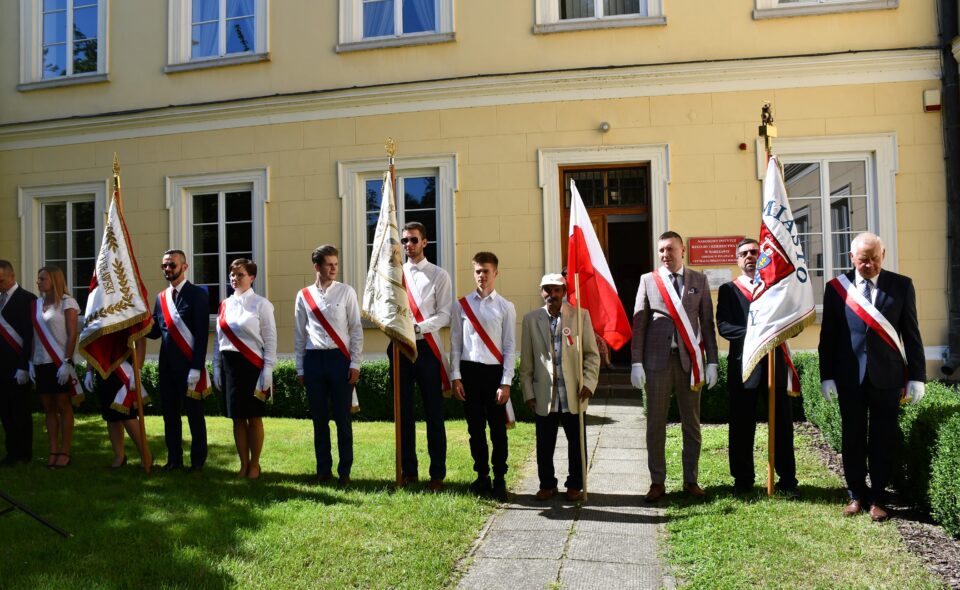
(171, 467)
(481, 486)
(195, 469)
(791, 492)
(499, 491)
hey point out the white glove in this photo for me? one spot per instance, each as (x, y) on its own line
(65, 373)
(33, 372)
(828, 389)
(266, 379)
(637, 377)
(711, 375)
(218, 377)
(88, 381)
(915, 391)
(193, 377)
(22, 377)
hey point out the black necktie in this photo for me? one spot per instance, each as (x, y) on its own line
(676, 283)
(176, 295)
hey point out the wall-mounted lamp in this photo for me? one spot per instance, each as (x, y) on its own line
(604, 127)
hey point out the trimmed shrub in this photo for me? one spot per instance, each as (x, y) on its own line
(945, 477)
(919, 440)
(825, 416)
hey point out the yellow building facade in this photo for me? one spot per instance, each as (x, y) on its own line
(257, 127)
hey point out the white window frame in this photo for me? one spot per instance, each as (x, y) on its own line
(30, 201)
(351, 180)
(774, 9)
(552, 159)
(31, 48)
(351, 28)
(180, 191)
(547, 15)
(882, 150)
(179, 31)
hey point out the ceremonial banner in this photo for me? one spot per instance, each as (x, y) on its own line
(384, 298)
(783, 303)
(598, 293)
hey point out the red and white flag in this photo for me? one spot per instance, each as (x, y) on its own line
(598, 293)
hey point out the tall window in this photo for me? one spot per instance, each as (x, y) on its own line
(69, 37)
(70, 242)
(609, 186)
(367, 24)
(222, 227)
(419, 203)
(222, 27)
(383, 18)
(601, 8)
(831, 201)
(781, 8)
(553, 16)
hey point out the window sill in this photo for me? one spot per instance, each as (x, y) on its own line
(832, 8)
(396, 42)
(63, 81)
(216, 62)
(599, 23)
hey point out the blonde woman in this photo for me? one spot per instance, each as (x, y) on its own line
(55, 315)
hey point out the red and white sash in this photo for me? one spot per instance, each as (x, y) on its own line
(332, 332)
(183, 338)
(409, 287)
(793, 377)
(691, 340)
(870, 315)
(53, 349)
(244, 344)
(126, 395)
(10, 336)
(475, 322)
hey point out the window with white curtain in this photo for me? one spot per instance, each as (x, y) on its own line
(571, 15)
(62, 42)
(782, 8)
(205, 33)
(370, 24)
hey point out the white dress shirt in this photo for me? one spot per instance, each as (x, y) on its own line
(338, 302)
(433, 292)
(499, 319)
(56, 320)
(254, 315)
(873, 285)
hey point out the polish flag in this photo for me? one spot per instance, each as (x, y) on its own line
(598, 293)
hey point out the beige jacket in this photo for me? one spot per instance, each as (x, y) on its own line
(536, 358)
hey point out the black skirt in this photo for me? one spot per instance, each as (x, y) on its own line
(240, 382)
(47, 380)
(106, 393)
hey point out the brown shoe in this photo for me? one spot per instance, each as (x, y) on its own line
(853, 508)
(435, 485)
(408, 480)
(574, 495)
(693, 489)
(656, 492)
(878, 513)
(544, 495)
(343, 481)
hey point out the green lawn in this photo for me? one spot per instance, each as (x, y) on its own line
(212, 530)
(730, 542)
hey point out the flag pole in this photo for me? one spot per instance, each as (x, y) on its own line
(145, 450)
(391, 147)
(583, 445)
(768, 131)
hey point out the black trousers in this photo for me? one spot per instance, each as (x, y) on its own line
(743, 428)
(480, 384)
(426, 374)
(547, 427)
(868, 427)
(16, 418)
(173, 397)
(325, 377)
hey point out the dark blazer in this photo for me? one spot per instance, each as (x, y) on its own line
(17, 312)
(897, 301)
(732, 312)
(193, 306)
(653, 327)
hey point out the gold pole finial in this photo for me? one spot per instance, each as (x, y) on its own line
(767, 129)
(116, 164)
(391, 147)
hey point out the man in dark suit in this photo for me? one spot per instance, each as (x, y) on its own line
(659, 347)
(733, 305)
(867, 313)
(16, 346)
(177, 372)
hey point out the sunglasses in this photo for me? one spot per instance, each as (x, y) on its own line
(753, 252)
(169, 265)
(412, 240)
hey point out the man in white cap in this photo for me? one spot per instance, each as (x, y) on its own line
(552, 387)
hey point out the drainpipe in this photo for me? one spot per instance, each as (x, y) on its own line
(950, 98)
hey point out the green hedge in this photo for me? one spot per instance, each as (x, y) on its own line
(927, 464)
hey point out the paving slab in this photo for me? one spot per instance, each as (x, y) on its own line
(510, 574)
(542, 544)
(585, 575)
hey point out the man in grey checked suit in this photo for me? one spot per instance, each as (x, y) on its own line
(658, 348)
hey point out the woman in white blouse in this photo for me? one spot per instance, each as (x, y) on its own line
(52, 370)
(244, 355)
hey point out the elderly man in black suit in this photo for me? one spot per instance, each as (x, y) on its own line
(870, 348)
(16, 345)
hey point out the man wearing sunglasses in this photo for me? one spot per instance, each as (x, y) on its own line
(733, 311)
(430, 294)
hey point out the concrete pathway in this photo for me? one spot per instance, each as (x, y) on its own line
(608, 542)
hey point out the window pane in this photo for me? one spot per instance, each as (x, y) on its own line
(238, 206)
(420, 192)
(589, 185)
(419, 16)
(59, 263)
(55, 217)
(82, 272)
(85, 23)
(237, 8)
(627, 186)
(54, 27)
(205, 10)
(85, 56)
(806, 215)
(816, 281)
(616, 7)
(802, 180)
(240, 37)
(80, 293)
(206, 268)
(374, 194)
(55, 245)
(54, 61)
(576, 8)
(83, 215)
(204, 40)
(54, 5)
(848, 214)
(205, 239)
(841, 251)
(372, 226)
(848, 178)
(83, 243)
(239, 236)
(205, 208)
(378, 18)
(812, 245)
(213, 297)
